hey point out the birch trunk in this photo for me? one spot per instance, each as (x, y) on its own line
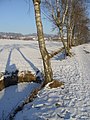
(45, 56)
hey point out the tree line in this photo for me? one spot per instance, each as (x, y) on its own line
(70, 18)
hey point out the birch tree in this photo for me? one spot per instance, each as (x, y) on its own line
(44, 53)
(58, 10)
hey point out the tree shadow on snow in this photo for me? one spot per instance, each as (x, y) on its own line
(1, 50)
(33, 46)
(11, 73)
(28, 61)
(39, 75)
(60, 56)
(10, 97)
(10, 78)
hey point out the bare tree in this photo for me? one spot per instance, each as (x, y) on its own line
(81, 26)
(44, 53)
(69, 24)
(58, 10)
(76, 22)
(68, 15)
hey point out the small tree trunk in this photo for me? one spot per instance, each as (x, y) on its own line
(72, 40)
(68, 39)
(61, 36)
(71, 37)
(45, 56)
(67, 51)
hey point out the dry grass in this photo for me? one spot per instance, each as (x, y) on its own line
(55, 84)
(14, 79)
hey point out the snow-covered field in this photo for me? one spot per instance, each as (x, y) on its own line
(70, 103)
(22, 55)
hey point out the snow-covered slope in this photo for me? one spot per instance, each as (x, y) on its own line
(70, 103)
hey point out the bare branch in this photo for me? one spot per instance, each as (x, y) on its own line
(64, 14)
(56, 52)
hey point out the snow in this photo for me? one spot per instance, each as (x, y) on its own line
(12, 96)
(69, 103)
(22, 55)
